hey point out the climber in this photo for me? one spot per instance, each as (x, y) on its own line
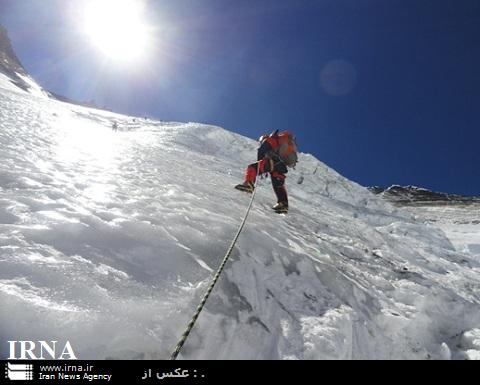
(277, 151)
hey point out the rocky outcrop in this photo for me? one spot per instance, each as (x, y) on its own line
(9, 63)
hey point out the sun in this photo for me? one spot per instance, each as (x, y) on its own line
(117, 28)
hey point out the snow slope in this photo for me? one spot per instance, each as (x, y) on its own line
(458, 216)
(109, 239)
(460, 222)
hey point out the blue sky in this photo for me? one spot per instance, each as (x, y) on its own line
(383, 91)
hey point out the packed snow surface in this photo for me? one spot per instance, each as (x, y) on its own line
(460, 222)
(109, 240)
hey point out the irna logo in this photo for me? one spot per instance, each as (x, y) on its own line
(40, 350)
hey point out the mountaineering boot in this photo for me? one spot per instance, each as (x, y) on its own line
(281, 208)
(245, 186)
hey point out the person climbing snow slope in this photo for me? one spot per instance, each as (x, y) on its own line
(276, 153)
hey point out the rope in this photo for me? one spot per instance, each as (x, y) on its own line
(212, 284)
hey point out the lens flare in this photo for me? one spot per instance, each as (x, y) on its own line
(117, 28)
(338, 77)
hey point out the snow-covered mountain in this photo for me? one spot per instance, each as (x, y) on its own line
(12, 74)
(109, 240)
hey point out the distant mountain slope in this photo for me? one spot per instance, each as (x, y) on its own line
(15, 77)
(12, 69)
(412, 195)
(9, 63)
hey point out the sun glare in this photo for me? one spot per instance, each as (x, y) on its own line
(117, 28)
